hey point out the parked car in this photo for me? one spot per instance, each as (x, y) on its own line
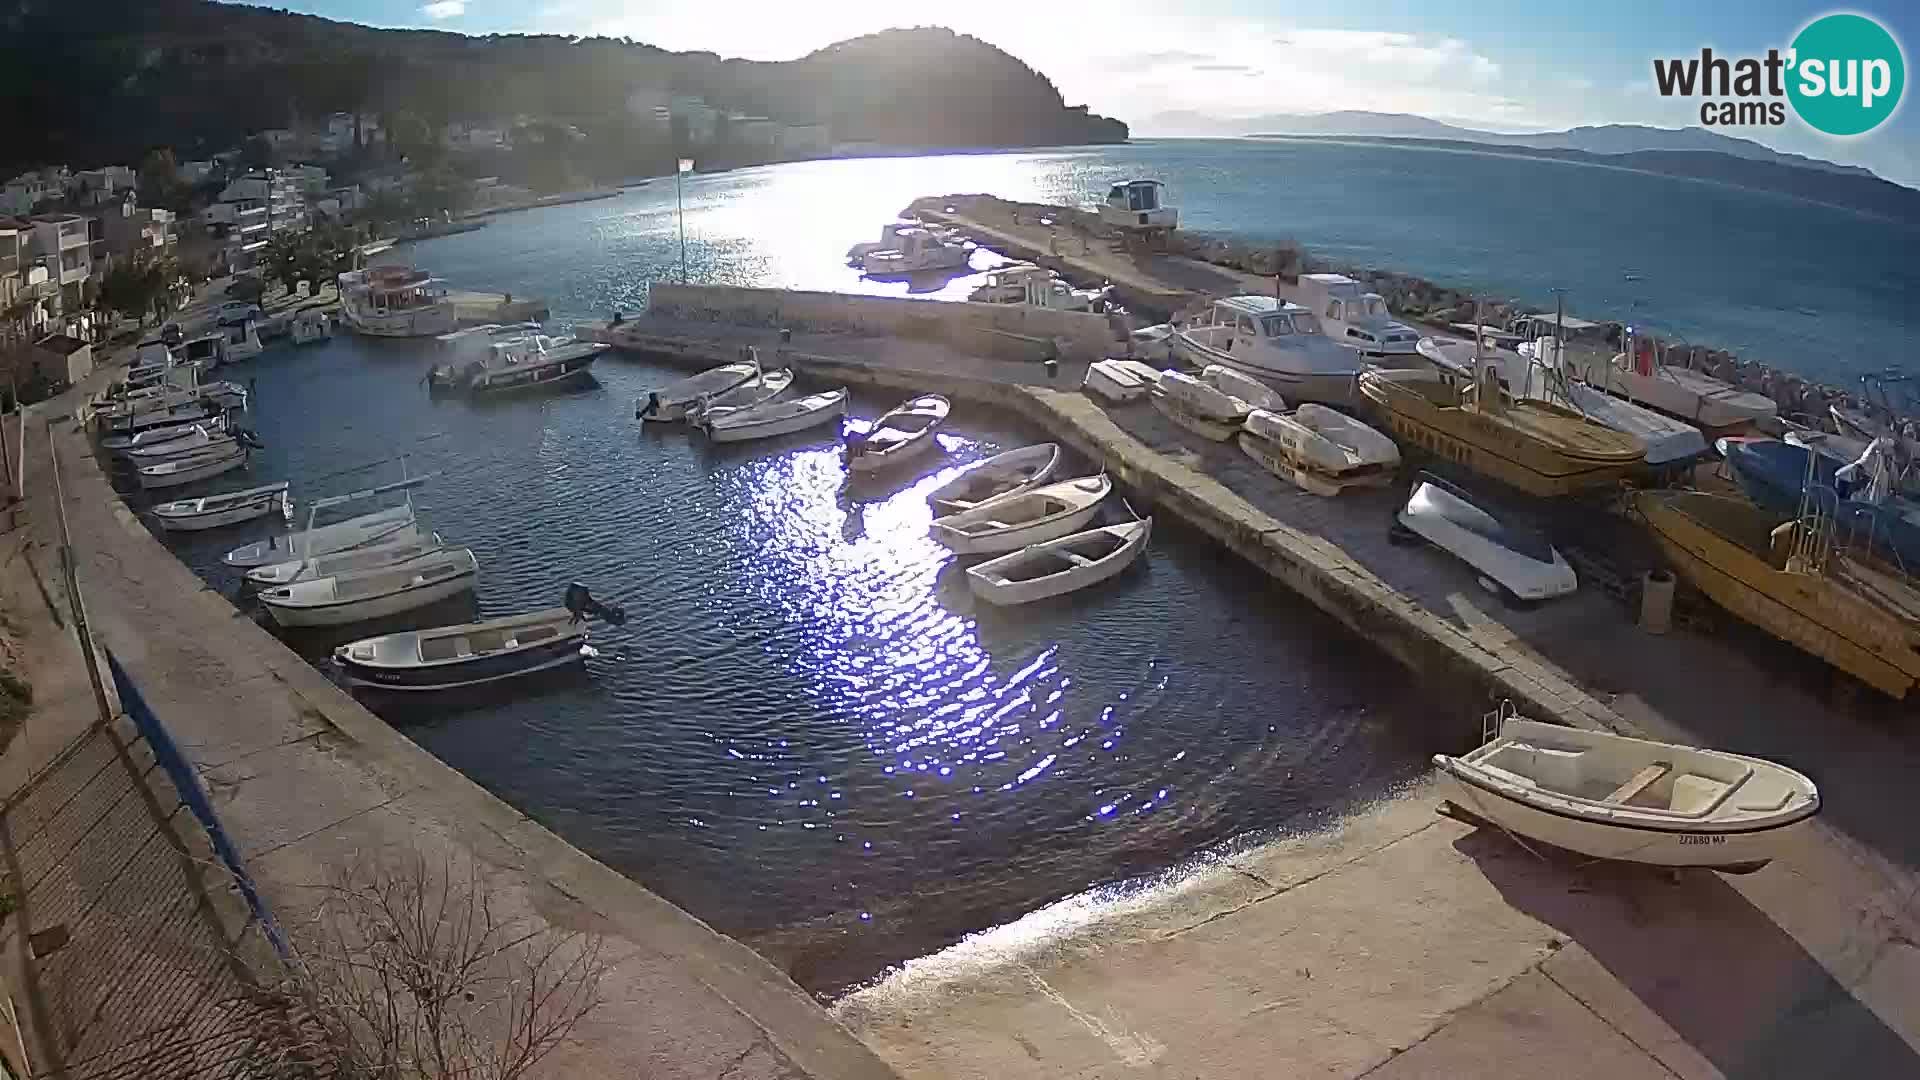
(171, 334)
(236, 311)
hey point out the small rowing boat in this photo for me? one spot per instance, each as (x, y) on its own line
(213, 511)
(903, 432)
(1007, 473)
(203, 464)
(1323, 450)
(371, 594)
(1198, 406)
(401, 545)
(1014, 521)
(670, 402)
(467, 655)
(773, 418)
(1119, 381)
(1055, 567)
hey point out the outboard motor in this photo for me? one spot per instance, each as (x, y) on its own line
(582, 604)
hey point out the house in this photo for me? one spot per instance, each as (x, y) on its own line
(62, 244)
(60, 360)
(309, 179)
(136, 232)
(22, 278)
(254, 208)
(97, 187)
(30, 190)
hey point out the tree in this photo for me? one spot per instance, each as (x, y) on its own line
(160, 182)
(134, 287)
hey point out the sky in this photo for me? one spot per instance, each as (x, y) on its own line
(1500, 64)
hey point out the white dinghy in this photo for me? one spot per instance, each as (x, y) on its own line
(670, 402)
(1198, 406)
(1013, 522)
(373, 594)
(1256, 394)
(1323, 450)
(1119, 381)
(1633, 800)
(773, 418)
(213, 511)
(1008, 473)
(370, 528)
(401, 545)
(203, 464)
(905, 431)
(1054, 567)
(768, 387)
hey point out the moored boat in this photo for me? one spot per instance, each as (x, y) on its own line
(1786, 579)
(769, 386)
(308, 326)
(401, 545)
(773, 418)
(395, 300)
(901, 433)
(1013, 522)
(1633, 800)
(193, 466)
(917, 251)
(670, 402)
(368, 528)
(1056, 567)
(1322, 450)
(1008, 473)
(228, 508)
(162, 433)
(471, 654)
(357, 596)
(1119, 381)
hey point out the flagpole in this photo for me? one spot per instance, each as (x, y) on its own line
(680, 209)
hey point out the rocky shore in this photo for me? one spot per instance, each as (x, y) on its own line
(1410, 296)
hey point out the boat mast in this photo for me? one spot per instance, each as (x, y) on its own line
(1484, 376)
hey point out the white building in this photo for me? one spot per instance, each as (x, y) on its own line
(28, 191)
(253, 209)
(62, 245)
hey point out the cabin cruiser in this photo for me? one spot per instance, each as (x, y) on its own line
(1035, 286)
(1278, 343)
(395, 300)
(243, 341)
(1139, 205)
(920, 250)
(514, 356)
(889, 241)
(206, 352)
(1356, 318)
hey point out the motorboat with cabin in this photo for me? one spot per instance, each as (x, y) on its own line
(1057, 567)
(771, 419)
(1513, 561)
(358, 596)
(243, 341)
(1031, 517)
(395, 300)
(889, 241)
(1319, 449)
(1008, 473)
(476, 654)
(1278, 343)
(1035, 286)
(1140, 207)
(1613, 797)
(1357, 318)
(901, 433)
(206, 352)
(227, 508)
(358, 531)
(919, 251)
(496, 359)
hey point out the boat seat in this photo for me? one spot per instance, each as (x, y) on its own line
(1640, 782)
(1076, 558)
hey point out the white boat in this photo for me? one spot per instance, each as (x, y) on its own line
(163, 433)
(223, 395)
(1633, 800)
(243, 342)
(889, 241)
(670, 402)
(1198, 406)
(1139, 205)
(1034, 286)
(472, 654)
(1119, 381)
(1154, 344)
(1013, 522)
(918, 251)
(203, 353)
(768, 387)
(395, 301)
(774, 418)
(1054, 567)
(1008, 473)
(308, 326)
(1690, 395)
(1538, 373)
(314, 540)
(1356, 318)
(198, 465)
(1279, 344)
(196, 437)
(1256, 394)
(903, 432)
(372, 594)
(213, 511)
(1517, 563)
(401, 545)
(1323, 450)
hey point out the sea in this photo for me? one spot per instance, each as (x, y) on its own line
(807, 733)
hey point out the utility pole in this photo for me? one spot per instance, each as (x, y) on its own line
(680, 209)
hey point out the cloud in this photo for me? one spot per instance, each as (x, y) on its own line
(1241, 68)
(1140, 63)
(444, 9)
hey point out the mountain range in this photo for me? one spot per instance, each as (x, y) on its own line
(1601, 139)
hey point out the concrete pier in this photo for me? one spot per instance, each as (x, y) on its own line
(476, 308)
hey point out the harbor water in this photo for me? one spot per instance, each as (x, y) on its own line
(807, 734)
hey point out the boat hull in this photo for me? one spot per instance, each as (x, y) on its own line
(1180, 413)
(546, 375)
(1731, 852)
(430, 321)
(347, 612)
(203, 471)
(324, 540)
(233, 515)
(774, 428)
(1325, 387)
(1009, 593)
(1000, 543)
(1279, 461)
(474, 672)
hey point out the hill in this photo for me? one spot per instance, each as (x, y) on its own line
(1600, 139)
(97, 81)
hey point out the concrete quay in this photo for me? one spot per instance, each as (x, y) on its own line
(309, 783)
(1398, 944)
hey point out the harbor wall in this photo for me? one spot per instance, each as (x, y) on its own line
(1009, 331)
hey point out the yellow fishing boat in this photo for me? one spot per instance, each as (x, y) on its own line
(1786, 579)
(1529, 445)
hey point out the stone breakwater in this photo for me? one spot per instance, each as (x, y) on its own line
(1410, 296)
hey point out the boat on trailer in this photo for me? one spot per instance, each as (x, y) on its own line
(1008, 473)
(213, 511)
(1056, 567)
(1012, 522)
(1630, 800)
(906, 431)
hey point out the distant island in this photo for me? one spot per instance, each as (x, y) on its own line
(93, 81)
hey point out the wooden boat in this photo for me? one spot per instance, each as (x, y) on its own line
(1013, 522)
(213, 511)
(1256, 394)
(401, 545)
(1054, 567)
(1003, 474)
(195, 438)
(1633, 800)
(1198, 406)
(1786, 580)
(164, 433)
(1531, 446)
(1119, 381)
(773, 418)
(670, 402)
(467, 655)
(1323, 450)
(354, 532)
(904, 432)
(372, 594)
(197, 465)
(768, 387)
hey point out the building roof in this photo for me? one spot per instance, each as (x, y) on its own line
(60, 343)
